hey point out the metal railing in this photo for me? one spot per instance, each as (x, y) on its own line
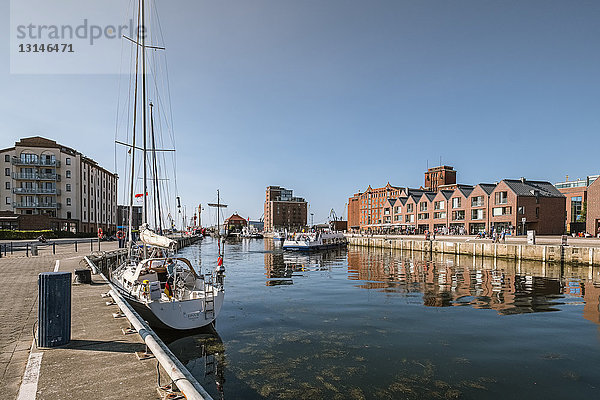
(28, 204)
(22, 190)
(36, 176)
(37, 162)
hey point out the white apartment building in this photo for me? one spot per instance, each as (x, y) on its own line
(45, 185)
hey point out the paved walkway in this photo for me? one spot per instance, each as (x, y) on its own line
(100, 361)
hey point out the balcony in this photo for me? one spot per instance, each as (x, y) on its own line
(26, 204)
(39, 162)
(24, 176)
(35, 191)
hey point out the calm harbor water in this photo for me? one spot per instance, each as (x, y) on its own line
(375, 324)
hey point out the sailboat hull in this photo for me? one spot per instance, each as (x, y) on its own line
(177, 315)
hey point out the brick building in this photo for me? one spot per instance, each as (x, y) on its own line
(46, 185)
(576, 192)
(283, 210)
(514, 205)
(592, 220)
(439, 176)
(235, 223)
(123, 217)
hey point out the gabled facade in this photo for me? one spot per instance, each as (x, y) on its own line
(519, 205)
(479, 204)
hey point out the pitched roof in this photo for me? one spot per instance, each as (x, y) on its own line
(523, 187)
(487, 187)
(430, 196)
(446, 193)
(465, 190)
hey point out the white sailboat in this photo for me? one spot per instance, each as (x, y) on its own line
(164, 289)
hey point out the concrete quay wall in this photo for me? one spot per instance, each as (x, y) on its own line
(545, 253)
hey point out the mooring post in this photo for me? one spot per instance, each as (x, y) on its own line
(75, 246)
(91, 244)
(11, 249)
(27, 250)
(53, 247)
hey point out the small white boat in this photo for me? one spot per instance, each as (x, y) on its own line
(314, 241)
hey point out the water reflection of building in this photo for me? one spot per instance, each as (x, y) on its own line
(281, 266)
(507, 287)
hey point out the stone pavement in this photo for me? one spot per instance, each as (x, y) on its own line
(100, 361)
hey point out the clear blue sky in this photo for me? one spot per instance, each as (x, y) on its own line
(326, 97)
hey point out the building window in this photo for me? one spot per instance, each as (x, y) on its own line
(498, 211)
(68, 161)
(68, 173)
(521, 210)
(85, 202)
(68, 187)
(537, 212)
(85, 215)
(409, 208)
(7, 185)
(458, 215)
(68, 214)
(398, 218)
(386, 211)
(439, 215)
(456, 202)
(7, 171)
(8, 200)
(398, 210)
(423, 216)
(478, 214)
(439, 205)
(501, 197)
(68, 201)
(6, 158)
(477, 201)
(423, 206)
(576, 207)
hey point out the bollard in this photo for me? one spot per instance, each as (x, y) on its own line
(76, 246)
(11, 249)
(54, 311)
(27, 250)
(53, 247)
(91, 244)
(34, 249)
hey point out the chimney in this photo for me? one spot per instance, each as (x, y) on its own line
(522, 179)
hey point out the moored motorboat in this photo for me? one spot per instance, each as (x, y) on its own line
(314, 240)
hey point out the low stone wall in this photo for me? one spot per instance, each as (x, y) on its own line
(544, 253)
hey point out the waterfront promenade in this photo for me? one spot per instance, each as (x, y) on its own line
(550, 240)
(578, 251)
(100, 361)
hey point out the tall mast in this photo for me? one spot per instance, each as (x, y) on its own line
(155, 185)
(218, 221)
(145, 150)
(132, 151)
